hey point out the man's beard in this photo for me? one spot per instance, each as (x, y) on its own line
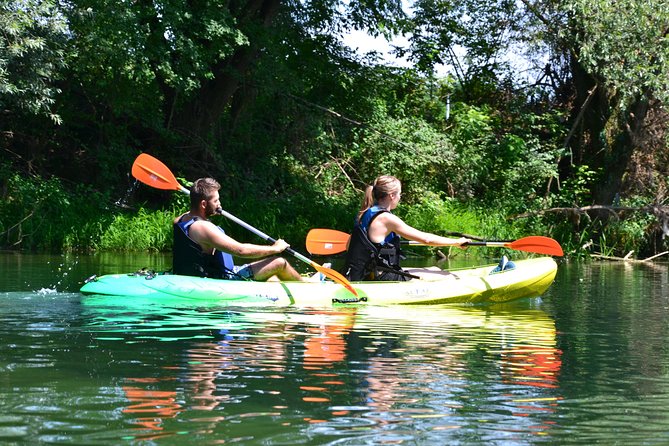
(211, 210)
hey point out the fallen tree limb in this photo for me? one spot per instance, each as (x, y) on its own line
(627, 258)
(614, 210)
(660, 212)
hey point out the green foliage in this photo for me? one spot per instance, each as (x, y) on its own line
(144, 231)
(408, 148)
(618, 237)
(504, 169)
(438, 215)
(624, 43)
(163, 42)
(473, 138)
(41, 214)
(31, 54)
(577, 190)
(607, 233)
(482, 29)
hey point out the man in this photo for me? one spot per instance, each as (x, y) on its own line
(203, 249)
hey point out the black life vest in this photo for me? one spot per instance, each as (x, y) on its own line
(189, 260)
(366, 260)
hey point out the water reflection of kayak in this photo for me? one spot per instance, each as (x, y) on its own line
(371, 363)
(529, 278)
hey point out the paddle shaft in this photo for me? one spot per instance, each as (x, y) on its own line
(489, 244)
(329, 241)
(256, 231)
(472, 243)
(261, 234)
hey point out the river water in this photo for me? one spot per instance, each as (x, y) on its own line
(586, 363)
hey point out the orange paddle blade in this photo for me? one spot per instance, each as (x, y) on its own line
(154, 173)
(538, 244)
(326, 241)
(334, 275)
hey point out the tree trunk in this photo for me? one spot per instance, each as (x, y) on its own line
(609, 135)
(624, 137)
(196, 117)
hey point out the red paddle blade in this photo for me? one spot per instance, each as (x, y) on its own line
(538, 244)
(326, 241)
(154, 173)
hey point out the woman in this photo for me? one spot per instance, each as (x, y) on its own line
(374, 247)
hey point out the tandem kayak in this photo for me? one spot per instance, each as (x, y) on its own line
(529, 278)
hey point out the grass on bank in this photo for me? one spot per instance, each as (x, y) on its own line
(43, 215)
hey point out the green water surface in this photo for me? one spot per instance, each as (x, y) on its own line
(586, 363)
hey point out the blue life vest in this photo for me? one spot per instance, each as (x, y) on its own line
(189, 260)
(368, 216)
(366, 260)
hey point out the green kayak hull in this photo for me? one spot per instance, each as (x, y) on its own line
(530, 278)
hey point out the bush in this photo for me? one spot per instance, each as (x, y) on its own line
(144, 231)
(41, 214)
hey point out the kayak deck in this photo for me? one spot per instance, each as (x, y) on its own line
(530, 278)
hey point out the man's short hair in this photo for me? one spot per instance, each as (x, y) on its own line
(203, 189)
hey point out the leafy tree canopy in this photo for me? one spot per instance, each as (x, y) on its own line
(624, 43)
(32, 35)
